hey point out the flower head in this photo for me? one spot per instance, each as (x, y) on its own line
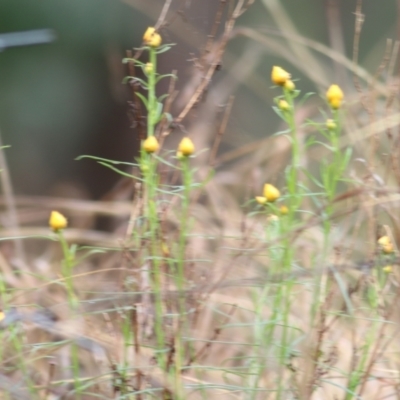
(186, 147)
(335, 96)
(271, 193)
(151, 37)
(386, 245)
(151, 145)
(279, 76)
(57, 221)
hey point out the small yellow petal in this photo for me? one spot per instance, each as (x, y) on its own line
(151, 145)
(271, 193)
(186, 147)
(279, 76)
(57, 221)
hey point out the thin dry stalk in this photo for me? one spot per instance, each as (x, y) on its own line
(11, 208)
(221, 131)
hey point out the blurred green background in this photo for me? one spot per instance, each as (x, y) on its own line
(65, 99)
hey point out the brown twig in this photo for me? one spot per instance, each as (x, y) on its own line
(221, 131)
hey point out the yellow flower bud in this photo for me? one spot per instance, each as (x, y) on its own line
(57, 221)
(335, 96)
(388, 269)
(289, 85)
(330, 124)
(151, 37)
(284, 210)
(271, 193)
(386, 245)
(279, 76)
(283, 105)
(148, 68)
(261, 199)
(150, 145)
(186, 147)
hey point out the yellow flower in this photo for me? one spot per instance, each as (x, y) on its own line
(150, 145)
(271, 193)
(186, 147)
(279, 76)
(283, 105)
(148, 68)
(261, 199)
(330, 124)
(386, 244)
(334, 95)
(284, 210)
(151, 37)
(289, 85)
(57, 221)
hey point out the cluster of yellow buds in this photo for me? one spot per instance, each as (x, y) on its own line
(279, 76)
(386, 245)
(152, 38)
(270, 194)
(282, 78)
(57, 221)
(335, 96)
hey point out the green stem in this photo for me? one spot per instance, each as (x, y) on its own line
(152, 100)
(180, 276)
(67, 267)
